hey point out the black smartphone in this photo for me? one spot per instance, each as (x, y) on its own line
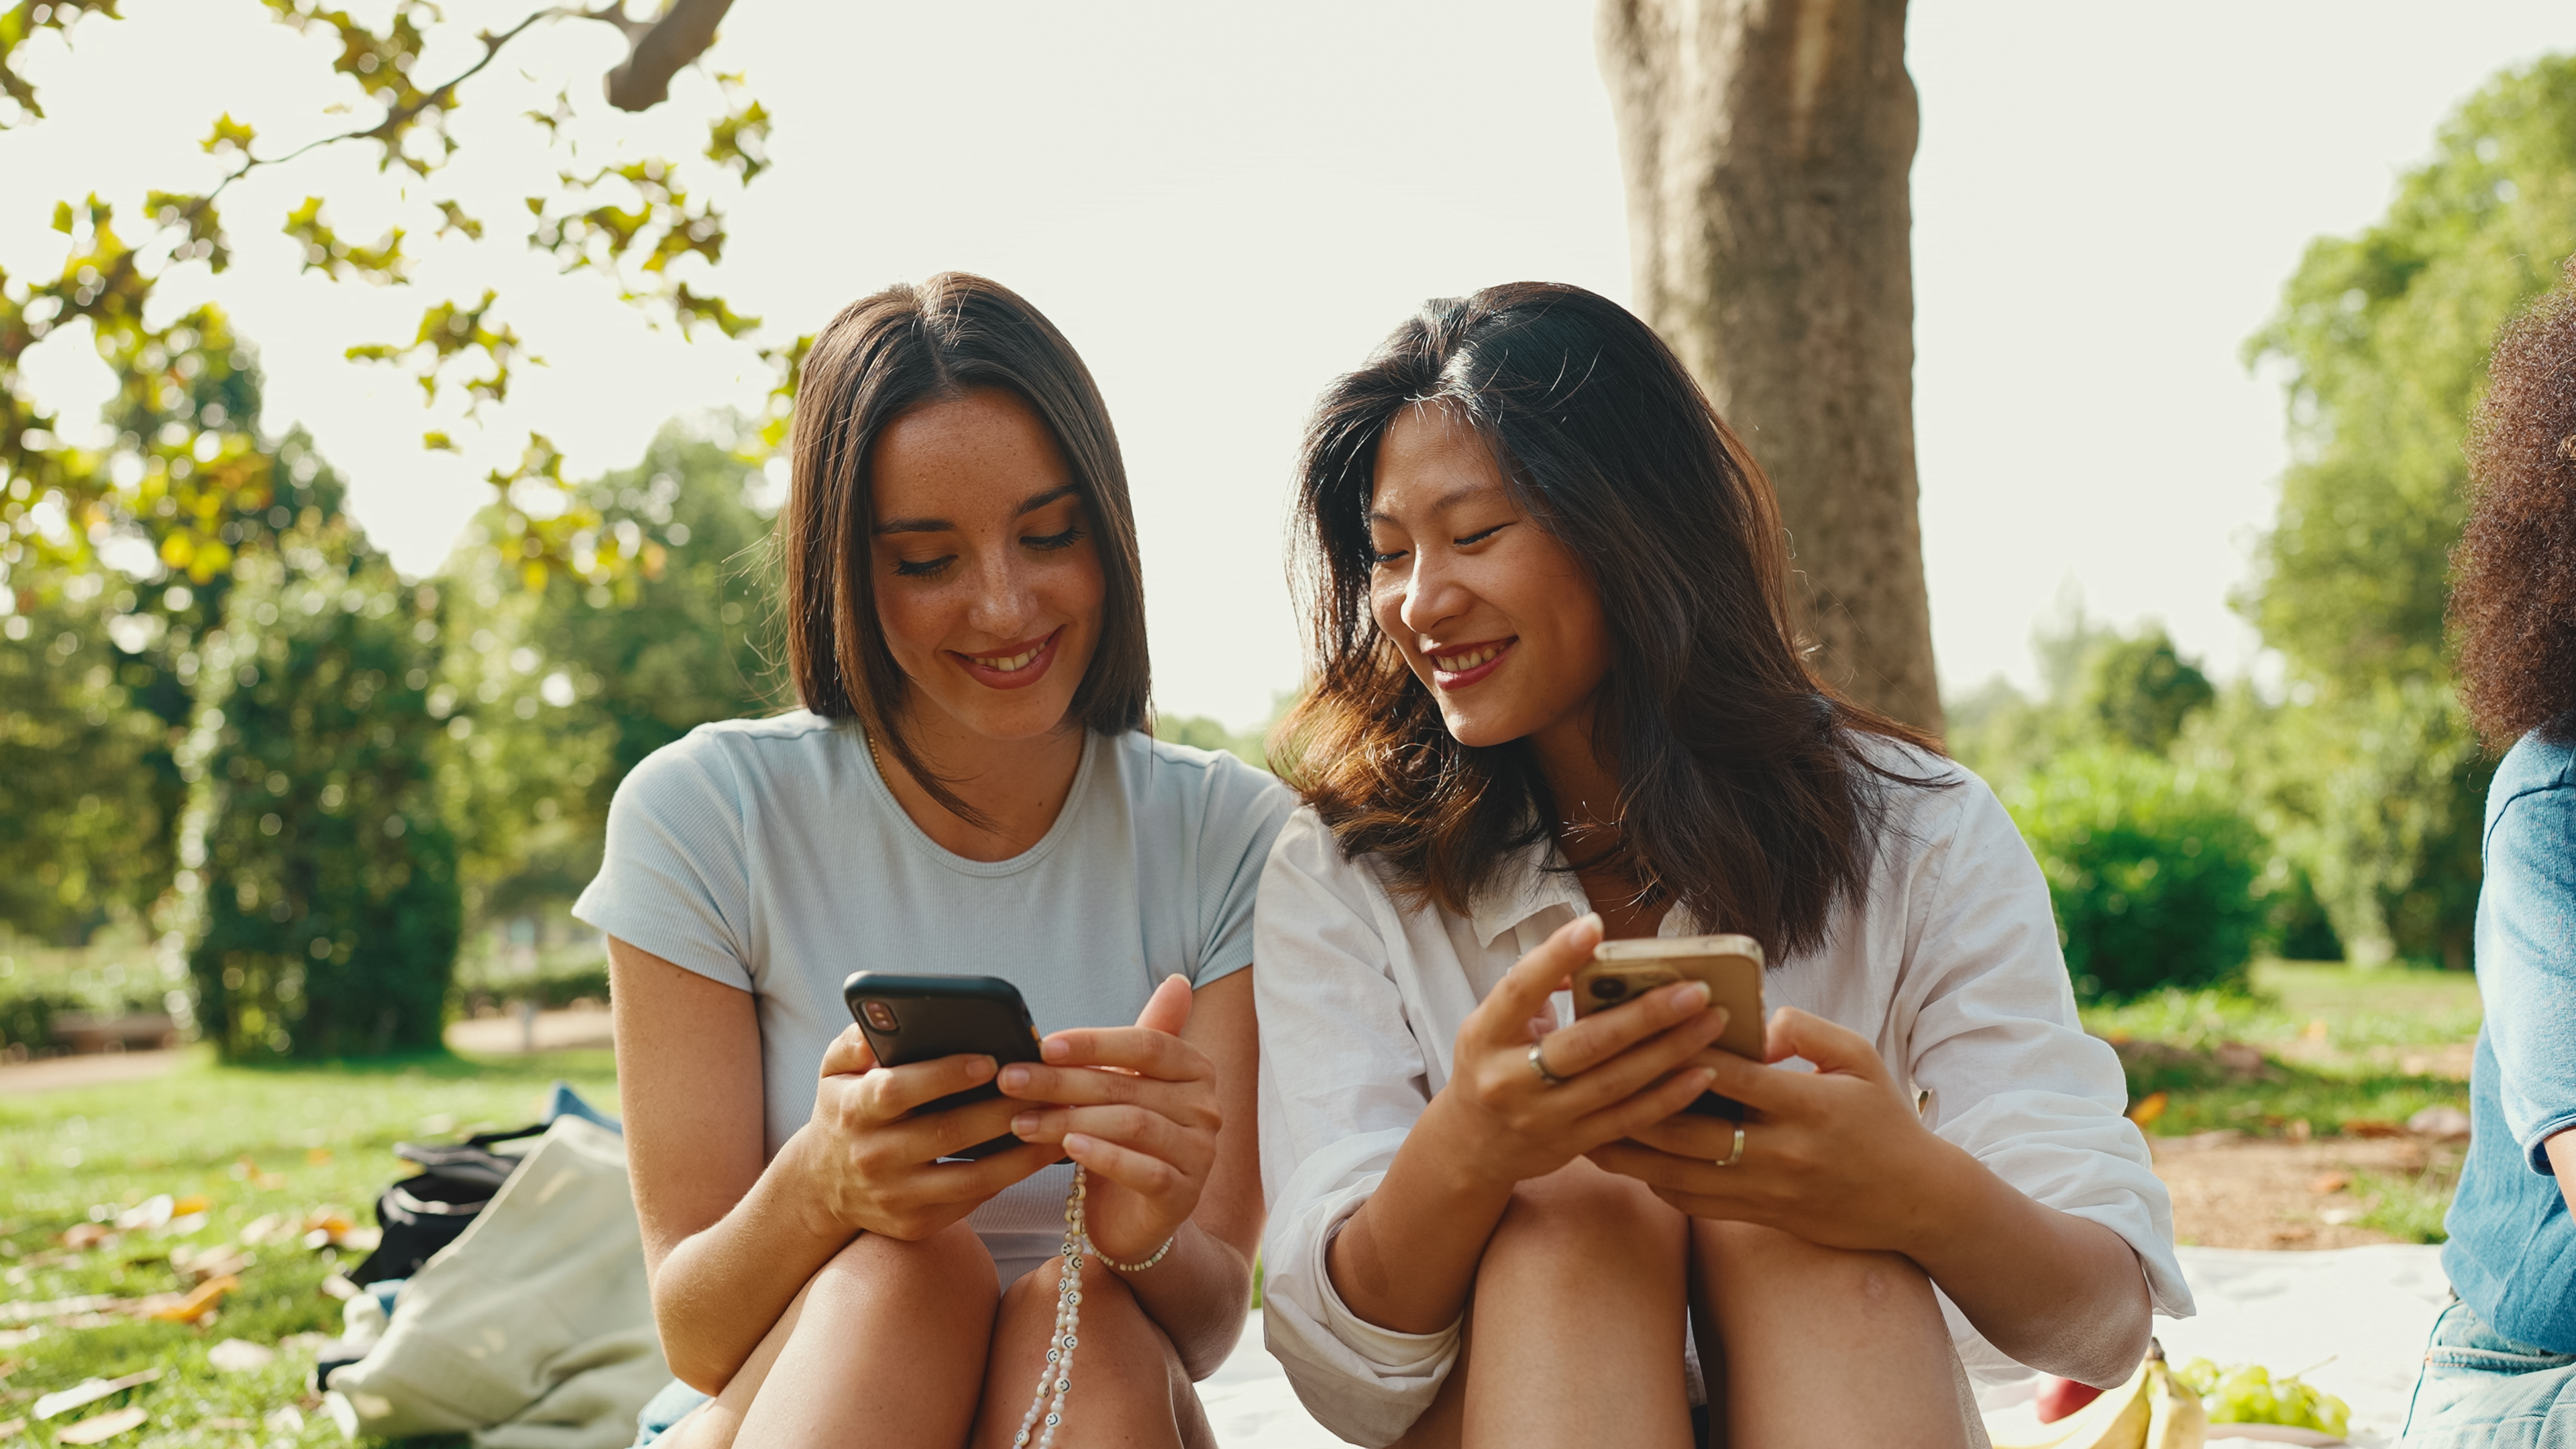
(909, 1018)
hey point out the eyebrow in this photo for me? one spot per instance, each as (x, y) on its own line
(1442, 504)
(1027, 506)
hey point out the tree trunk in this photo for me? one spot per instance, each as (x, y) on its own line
(1766, 145)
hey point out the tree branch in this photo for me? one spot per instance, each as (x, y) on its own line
(657, 49)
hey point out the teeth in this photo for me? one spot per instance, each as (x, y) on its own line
(1453, 663)
(1012, 663)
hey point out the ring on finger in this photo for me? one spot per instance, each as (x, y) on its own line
(1732, 1158)
(1538, 1064)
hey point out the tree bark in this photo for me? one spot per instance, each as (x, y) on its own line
(1766, 146)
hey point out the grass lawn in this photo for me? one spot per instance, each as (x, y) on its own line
(2323, 1045)
(2313, 1051)
(251, 1142)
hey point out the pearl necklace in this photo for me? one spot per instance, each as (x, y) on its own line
(1056, 1379)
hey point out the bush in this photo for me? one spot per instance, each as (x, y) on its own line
(2151, 871)
(28, 1021)
(321, 888)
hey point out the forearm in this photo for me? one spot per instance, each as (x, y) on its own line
(1198, 1295)
(1408, 1257)
(720, 1289)
(2051, 1290)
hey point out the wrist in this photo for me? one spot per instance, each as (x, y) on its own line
(1457, 1151)
(796, 1176)
(1953, 1196)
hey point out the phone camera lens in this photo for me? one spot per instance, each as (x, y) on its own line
(1608, 988)
(879, 1015)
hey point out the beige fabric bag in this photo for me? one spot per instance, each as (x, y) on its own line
(534, 1329)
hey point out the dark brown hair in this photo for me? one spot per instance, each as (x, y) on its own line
(2513, 595)
(1747, 793)
(882, 357)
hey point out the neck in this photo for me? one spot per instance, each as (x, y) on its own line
(1586, 791)
(1019, 787)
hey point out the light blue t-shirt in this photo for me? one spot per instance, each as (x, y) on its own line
(769, 855)
(2512, 1254)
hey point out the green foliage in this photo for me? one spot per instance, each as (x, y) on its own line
(2151, 872)
(625, 218)
(83, 838)
(560, 690)
(321, 893)
(2139, 691)
(1202, 733)
(2384, 337)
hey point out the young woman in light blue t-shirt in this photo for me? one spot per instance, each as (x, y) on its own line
(968, 789)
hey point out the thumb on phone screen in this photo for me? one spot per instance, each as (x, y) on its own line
(1169, 1009)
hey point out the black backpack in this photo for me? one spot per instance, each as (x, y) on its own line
(427, 1211)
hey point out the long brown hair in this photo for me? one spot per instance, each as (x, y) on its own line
(883, 356)
(1746, 792)
(2513, 598)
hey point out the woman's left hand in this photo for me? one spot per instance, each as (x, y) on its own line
(1137, 1107)
(1838, 1156)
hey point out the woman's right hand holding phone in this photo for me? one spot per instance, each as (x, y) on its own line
(873, 1166)
(1615, 1072)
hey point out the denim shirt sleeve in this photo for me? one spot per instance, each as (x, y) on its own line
(2526, 959)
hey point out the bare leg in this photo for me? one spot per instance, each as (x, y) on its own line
(1577, 1318)
(1825, 1347)
(1128, 1384)
(885, 1344)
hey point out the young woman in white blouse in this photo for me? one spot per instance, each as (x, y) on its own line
(1555, 696)
(968, 789)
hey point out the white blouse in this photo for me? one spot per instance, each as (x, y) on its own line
(1951, 966)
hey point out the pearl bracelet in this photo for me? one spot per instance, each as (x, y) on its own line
(1134, 1267)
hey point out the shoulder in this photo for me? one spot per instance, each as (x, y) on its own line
(2536, 778)
(722, 756)
(1201, 784)
(1929, 804)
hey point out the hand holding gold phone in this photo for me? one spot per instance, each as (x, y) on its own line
(1730, 966)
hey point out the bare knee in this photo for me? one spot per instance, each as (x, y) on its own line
(1580, 1214)
(950, 1265)
(1768, 1261)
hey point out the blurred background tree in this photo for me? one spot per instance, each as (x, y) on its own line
(319, 897)
(556, 692)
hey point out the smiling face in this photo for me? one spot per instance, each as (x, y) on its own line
(988, 585)
(1494, 614)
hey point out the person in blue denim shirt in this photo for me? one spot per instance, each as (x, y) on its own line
(2500, 1369)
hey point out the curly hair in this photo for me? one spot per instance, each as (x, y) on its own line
(2513, 596)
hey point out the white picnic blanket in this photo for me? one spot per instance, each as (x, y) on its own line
(2366, 1309)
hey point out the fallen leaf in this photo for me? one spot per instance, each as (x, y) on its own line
(317, 1155)
(2315, 1031)
(200, 1301)
(88, 1391)
(192, 1203)
(2336, 1217)
(2300, 1131)
(2330, 1182)
(2371, 1127)
(101, 1428)
(86, 1235)
(11, 1426)
(2148, 1109)
(152, 1212)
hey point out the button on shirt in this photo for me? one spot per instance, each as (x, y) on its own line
(1950, 966)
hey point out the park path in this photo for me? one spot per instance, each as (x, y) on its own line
(489, 1036)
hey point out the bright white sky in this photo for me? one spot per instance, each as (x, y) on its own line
(1224, 206)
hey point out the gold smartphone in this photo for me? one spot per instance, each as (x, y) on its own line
(1731, 966)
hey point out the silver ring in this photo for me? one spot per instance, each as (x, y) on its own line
(1538, 1064)
(1732, 1158)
